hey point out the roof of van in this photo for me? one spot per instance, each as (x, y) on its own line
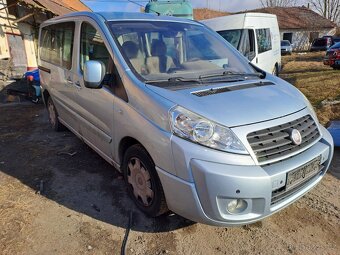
(236, 21)
(112, 16)
(241, 15)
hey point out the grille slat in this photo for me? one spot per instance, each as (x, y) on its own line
(268, 138)
(308, 131)
(275, 142)
(272, 145)
(277, 128)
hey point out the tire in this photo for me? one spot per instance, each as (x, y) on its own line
(143, 184)
(275, 70)
(53, 116)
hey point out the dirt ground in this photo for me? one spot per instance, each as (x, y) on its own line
(83, 207)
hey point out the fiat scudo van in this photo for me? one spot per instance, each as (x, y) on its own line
(193, 126)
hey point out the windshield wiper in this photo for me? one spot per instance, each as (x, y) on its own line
(228, 73)
(175, 79)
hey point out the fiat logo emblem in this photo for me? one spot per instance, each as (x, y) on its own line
(296, 137)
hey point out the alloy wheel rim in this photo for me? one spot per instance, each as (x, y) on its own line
(140, 180)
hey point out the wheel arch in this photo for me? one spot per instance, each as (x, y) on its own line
(45, 96)
(126, 143)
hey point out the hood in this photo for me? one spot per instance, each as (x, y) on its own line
(238, 103)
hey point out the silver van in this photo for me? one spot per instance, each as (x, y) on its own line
(192, 125)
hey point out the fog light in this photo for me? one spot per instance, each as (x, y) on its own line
(236, 206)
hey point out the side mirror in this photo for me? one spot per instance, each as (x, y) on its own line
(94, 72)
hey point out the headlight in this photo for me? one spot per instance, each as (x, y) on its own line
(197, 129)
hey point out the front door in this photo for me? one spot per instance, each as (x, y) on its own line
(95, 106)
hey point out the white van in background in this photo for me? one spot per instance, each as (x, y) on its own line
(255, 35)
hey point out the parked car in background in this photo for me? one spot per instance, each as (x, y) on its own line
(322, 44)
(194, 127)
(286, 47)
(332, 57)
(255, 35)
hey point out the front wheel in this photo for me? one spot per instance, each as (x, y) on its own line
(143, 183)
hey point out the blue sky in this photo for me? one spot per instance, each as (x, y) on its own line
(124, 5)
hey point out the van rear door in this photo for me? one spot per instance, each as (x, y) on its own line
(265, 59)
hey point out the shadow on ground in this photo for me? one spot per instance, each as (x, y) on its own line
(72, 174)
(19, 88)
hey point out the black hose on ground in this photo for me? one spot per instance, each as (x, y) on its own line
(123, 249)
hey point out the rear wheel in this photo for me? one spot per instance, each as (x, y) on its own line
(143, 183)
(53, 116)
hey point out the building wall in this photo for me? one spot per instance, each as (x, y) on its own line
(302, 38)
(30, 49)
(4, 49)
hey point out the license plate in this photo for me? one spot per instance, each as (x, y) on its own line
(303, 173)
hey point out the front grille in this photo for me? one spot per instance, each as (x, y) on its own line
(271, 143)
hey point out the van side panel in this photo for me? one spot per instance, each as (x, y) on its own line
(266, 60)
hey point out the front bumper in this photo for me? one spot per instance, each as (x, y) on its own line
(204, 197)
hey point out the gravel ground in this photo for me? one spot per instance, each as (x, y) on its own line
(83, 207)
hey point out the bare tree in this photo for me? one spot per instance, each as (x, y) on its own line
(278, 3)
(329, 9)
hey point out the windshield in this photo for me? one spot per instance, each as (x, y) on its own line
(285, 43)
(161, 50)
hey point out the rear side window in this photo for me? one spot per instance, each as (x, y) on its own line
(264, 42)
(56, 44)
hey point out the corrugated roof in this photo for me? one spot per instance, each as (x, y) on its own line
(76, 5)
(297, 18)
(58, 7)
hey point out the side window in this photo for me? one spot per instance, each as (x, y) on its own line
(92, 47)
(264, 42)
(56, 44)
